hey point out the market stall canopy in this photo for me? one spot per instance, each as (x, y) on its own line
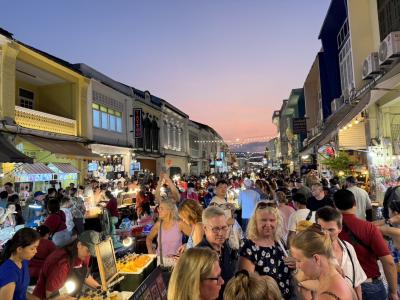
(63, 168)
(8, 152)
(60, 148)
(36, 168)
(37, 172)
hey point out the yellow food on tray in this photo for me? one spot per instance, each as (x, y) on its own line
(134, 265)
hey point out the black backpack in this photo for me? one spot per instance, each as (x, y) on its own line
(390, 195)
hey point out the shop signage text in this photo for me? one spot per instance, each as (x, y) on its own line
(33, 177)
(137, 123)
(299, 125)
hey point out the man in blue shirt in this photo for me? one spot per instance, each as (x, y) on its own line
(247, 201)
(34, 209)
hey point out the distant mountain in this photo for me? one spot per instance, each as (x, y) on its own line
(250, 147)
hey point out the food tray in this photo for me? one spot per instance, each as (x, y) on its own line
(132, 280)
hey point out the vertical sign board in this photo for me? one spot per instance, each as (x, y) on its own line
(152, 288)
(299, 125)
(107, 263)
(137, 123)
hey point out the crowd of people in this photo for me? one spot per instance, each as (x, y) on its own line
(254, 236)
(300, 237)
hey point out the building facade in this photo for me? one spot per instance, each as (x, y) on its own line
(43, 107)
(147, 154)
(110, 104)
(174, 139)
(351, 93)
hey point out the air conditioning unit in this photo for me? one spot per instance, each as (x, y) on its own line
(370, 66)
(389, 48)
(336, 104)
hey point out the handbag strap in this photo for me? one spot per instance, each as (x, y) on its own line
(160, 245)
(309, 215)
(352, 263)
(356, 240)
(283, 248)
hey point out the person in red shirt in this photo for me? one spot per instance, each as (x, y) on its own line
(56, 224)
(45, 248)
(112, 207)
(370, 246)
(70, 263)
(190, 193)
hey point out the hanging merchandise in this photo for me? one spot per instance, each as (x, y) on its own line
(107, 169)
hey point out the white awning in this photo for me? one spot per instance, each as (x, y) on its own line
(36, 168)
(63, 168)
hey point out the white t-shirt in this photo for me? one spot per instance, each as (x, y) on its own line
(347, 265)
(88, 192)
(362, 201)
(69, 220)
(224, 205)
(299, 215)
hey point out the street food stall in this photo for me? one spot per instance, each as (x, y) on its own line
(37, 176)
(64, 173)
(134, 276)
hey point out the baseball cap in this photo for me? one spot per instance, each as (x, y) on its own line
(90, 238)
(248, 182)
(299, 180)
(38, 193)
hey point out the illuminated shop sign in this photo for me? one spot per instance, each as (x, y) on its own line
(137, 123)
(33, 177)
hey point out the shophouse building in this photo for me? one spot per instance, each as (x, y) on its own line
(43, 108)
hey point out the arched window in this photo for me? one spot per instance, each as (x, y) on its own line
(175, 137)
(170, 136)
(155, 131)
(179, 139)
(165, 134)
(147, 133)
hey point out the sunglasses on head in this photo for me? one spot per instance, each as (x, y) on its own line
(316, 228)
(262, 205)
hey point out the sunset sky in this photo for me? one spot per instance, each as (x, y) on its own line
(228, 64)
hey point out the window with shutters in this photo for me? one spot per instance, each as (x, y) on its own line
(26, 98)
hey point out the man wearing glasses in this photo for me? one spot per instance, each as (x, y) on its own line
(215, 237)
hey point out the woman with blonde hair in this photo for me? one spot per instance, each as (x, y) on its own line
(169, 228)
(245, 286)
(196, 276)
(190, 212)
(312, 250)
(263, 252)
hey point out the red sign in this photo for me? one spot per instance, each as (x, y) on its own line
(137, 123)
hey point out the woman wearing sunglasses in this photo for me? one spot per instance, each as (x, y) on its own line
(263, 252)
(312, 250)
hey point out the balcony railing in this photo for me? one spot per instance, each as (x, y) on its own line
(38, 120)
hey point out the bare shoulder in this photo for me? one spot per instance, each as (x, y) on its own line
(338, 290)
(156, 226)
